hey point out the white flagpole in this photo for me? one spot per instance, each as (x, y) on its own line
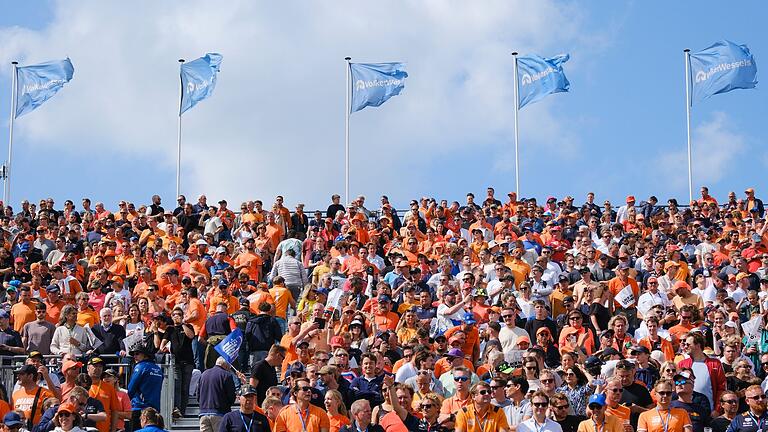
(14, 83)
(346, 132)
(688, 119)
(178, 145)
(517, 138)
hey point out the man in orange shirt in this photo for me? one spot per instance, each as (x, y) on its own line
(301, 415)
(223, 296)
(105, 393)
(383, 318)
(459, 400)
(471, 346)
(53, 304)
(195, 316)
(249, 260)
(616, 285)
(24, 311)
(23, 399)
(274, 231)
(283, 298)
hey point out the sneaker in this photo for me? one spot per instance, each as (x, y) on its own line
(176, 413)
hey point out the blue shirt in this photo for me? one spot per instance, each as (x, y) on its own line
(145, 386)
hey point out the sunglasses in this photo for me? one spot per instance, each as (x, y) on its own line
(305, 388)
(758, 397)
(62, 414)
(426, 406)
(547, 381)
(461, 379)
(681, 382)
(729, 401)
(540, 404)
(561, 406)
(664, 393)
(483, 392)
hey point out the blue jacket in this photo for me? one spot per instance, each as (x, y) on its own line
(145, 386)
(216, 391)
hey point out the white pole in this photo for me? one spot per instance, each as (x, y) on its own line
(688, 119)
(7, 191)
(178, 145)
(517, 138)
(346, 132)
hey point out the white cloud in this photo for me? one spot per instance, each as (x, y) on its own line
(280, 95)
(715, 146)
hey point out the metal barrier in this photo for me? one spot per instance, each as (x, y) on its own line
(9, 364)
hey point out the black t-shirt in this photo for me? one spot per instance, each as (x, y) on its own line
(93, 406)
(720, 424)
(265, 374)
(601, 313)
(181, 345)
(237, 421)
(571, 423)
(636, 394)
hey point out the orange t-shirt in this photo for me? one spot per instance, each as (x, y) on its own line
(23, 401)
(88, 316)
(253, 262)
(22, 313)
(473, 338)
(107, 395)
(282, 298)
(386, 321)
(312, 420)
(621, 412)
(232, 304)
(453, 404)
(337, 421)
(615, 285)
(196, 305)
(655, 421)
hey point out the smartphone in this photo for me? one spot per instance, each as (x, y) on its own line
(320, 323)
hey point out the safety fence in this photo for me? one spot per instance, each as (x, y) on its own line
(123, 366)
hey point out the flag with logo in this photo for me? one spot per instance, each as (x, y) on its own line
(538, 77)
(37, 83)
(720, 68)
(374, 83)
(198, 80)
(230, 346)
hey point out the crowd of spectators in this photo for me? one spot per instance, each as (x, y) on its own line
(484, 315)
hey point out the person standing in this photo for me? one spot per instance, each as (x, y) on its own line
(245, 419)
(217, 394)
(178, 340)
(38, 334)
(710, 377)
(301, 415)
(145, 385)
(729, 401)
(263, 372)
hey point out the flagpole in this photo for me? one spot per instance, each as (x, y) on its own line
(346, 132)
(7, 190)
(178, 145)
(517, 138)
(688, 119)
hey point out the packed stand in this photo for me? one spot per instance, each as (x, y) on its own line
(475, 316)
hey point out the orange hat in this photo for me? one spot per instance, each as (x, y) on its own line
(117, 279)
(680, 284)
(741, 276)
(631, 198)
(67, 407)
(669, 264)
(523, 339)
(543, 330)
(109, 253)
(69, 364)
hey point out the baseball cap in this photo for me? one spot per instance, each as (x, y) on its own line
(96, 361)
(505, 368)
(69, 364)
(221, 249)
(337, 341)
(639, 349)
(26, 369)
(12, 419)
(455, 353)
(384, 299)
(593, 361)
(469, 318)
(68, 407)
(597, 399)
(631, 198)
(248, 390)
(19, 260)
(33, 354)
(244, 302)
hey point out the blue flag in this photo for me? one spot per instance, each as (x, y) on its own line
(539, 77)
(230, 346)
(37, 83)
(374, 83)
(721, 68)
(198, 79)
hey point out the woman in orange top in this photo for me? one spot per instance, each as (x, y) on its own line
(337, 412)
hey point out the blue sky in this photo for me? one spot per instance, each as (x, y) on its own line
(275, 123)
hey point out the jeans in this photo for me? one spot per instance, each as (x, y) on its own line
(181, 386)
(198, 351)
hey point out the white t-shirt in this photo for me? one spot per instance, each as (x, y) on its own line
(531, 425)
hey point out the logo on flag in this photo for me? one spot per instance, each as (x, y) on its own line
(198, 80)
(375, 83)
(720, 68)
(230, 346)
(37, 83)
(539, 77)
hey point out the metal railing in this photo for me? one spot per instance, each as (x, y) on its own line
(9, 364)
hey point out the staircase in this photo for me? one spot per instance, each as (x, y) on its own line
(189, 422)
